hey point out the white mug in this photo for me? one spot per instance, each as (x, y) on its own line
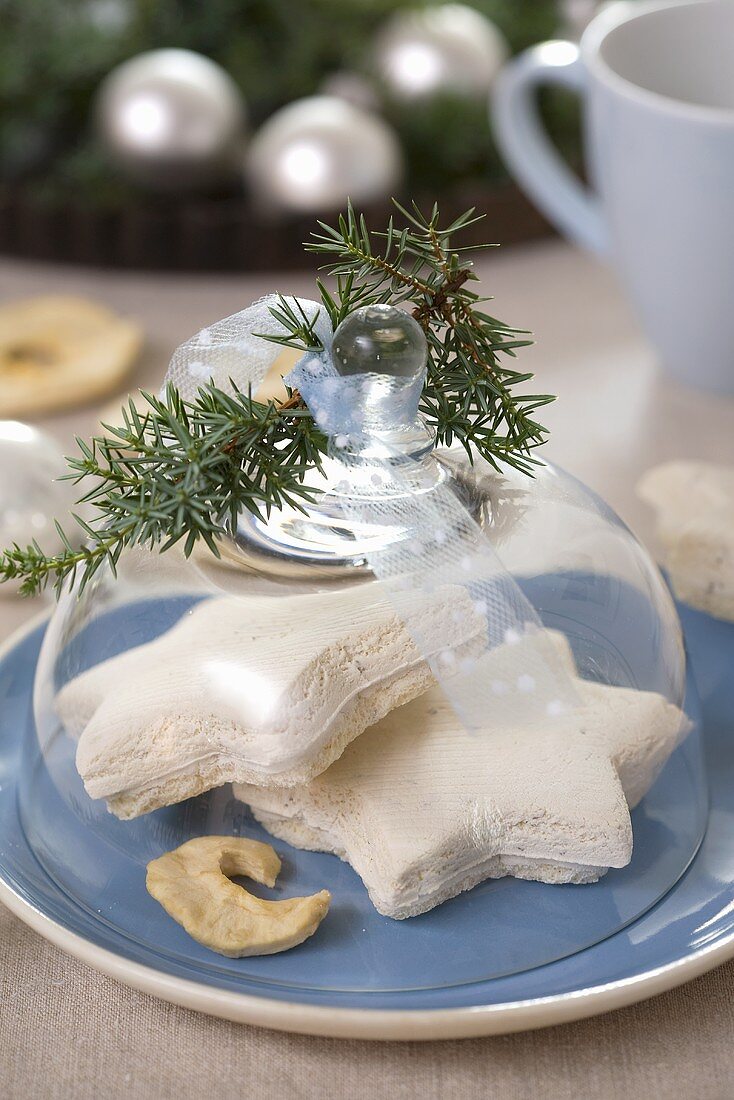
(657, 81)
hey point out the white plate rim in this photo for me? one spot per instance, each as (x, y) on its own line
(363, 1023)
(375, 1024)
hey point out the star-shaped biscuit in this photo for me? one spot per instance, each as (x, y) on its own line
(257, 689)
(423, 810)
(694, 505)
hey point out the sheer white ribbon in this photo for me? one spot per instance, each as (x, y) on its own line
(431, 539)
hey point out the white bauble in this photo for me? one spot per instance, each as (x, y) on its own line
(449, 48)
(314, 154)
(171, 120)
(31, 497)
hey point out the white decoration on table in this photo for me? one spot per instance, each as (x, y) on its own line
(30, 495)
(448, 48)
(424, 810)
(694, 506)
(314, 154)
(171, 119)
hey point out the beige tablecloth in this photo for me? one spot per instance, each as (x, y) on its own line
(67, 1032)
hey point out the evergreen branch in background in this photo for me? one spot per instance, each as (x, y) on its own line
(182, 471)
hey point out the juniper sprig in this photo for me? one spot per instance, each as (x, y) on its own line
(181, 471)
(178, 472)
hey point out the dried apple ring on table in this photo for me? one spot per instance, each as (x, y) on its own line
(57, 352)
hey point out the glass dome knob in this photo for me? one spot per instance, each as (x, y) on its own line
(380, 339)
(381, 353)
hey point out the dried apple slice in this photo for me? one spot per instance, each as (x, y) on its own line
(192, 883)
(57, 352)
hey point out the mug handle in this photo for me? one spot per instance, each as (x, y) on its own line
(529, 152)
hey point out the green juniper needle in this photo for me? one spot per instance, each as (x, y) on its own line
(182, 470)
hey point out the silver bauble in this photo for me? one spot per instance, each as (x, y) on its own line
(171, 120)
(314, 154)
(449, 48)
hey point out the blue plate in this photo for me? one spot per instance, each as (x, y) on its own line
(688, 931)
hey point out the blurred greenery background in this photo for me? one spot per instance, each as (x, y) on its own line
(54, 53)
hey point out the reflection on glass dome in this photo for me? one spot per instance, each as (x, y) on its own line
(236, 696)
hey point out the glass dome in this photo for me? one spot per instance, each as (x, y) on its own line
(292, 692)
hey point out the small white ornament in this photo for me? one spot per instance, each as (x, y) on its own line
(448, 48)
(30, 495)
(171, 120)
(314, 154)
